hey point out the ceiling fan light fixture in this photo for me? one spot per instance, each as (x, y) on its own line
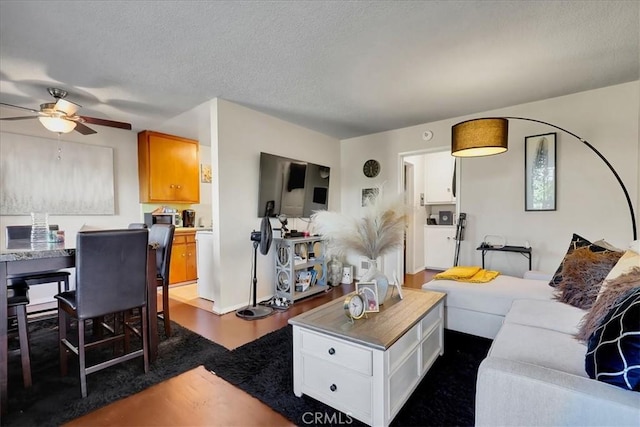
(57, 124)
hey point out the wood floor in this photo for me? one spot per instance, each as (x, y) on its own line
(200, 398)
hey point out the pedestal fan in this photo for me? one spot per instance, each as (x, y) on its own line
(262, 239)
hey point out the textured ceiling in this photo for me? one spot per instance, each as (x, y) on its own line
(341, 68)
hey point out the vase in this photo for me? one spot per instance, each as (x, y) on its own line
(39, 227)
(335, 271)
(382, 283)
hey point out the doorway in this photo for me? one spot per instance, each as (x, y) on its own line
(413, 183)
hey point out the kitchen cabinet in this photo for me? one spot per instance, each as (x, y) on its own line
(439, 178)
(183, 268)
(439, 246)
(168, 168)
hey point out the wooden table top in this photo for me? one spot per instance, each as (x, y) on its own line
(378, 330)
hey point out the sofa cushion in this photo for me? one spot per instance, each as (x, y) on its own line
(494, 297)
(612, 288)
(582, 274)
(613, 355)
(576, 242)
(542, 347)
(552, 315)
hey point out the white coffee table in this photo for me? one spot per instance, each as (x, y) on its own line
(367, 369)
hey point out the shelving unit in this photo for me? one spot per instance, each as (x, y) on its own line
(298, 257)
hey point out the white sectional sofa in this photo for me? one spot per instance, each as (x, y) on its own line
(534, 373)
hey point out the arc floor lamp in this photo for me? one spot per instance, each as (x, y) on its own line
(488, 136)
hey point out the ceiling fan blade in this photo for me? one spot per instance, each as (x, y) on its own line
(103, 122)
(17, 106)
(67, 107)
(20, 118)
(85, 130)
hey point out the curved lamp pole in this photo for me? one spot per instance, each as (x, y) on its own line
(488, 135)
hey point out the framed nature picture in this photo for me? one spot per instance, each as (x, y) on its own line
(370, 292)
(540, 172)
(369, 195)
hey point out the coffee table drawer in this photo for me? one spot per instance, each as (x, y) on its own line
(336, 386)
(337, 351)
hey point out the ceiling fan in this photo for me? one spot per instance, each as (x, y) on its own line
(60, 116)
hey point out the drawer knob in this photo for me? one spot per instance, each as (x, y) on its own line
(332, 351)
(333, 387)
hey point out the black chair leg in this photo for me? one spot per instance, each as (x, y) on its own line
(145, 338)
(81, 358)
(62, 336)
(165, 309)
(21, 311)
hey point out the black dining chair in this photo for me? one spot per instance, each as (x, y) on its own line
(17, 301)
(61, 277)
(162, 235)
(111, 277)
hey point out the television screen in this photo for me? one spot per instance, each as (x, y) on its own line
(291, 187)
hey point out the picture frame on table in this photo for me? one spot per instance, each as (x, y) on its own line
(397, 285)
(540, 172)
(369, 290)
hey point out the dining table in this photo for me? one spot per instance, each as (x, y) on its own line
(25, 257)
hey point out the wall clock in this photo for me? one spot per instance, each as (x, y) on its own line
(371, 168)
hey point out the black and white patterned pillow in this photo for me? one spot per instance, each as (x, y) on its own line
(613, 354)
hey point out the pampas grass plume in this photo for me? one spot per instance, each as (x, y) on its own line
(379, 231)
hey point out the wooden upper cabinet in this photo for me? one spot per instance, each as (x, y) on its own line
(168, 168)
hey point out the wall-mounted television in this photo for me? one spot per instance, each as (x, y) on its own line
(291, 187)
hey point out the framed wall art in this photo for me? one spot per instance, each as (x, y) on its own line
(540, 172)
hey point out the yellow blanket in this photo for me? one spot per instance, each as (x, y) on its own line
(468, 274)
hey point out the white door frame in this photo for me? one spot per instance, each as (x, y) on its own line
(400, 190)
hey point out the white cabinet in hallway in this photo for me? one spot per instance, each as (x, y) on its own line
(439, 246)
(439, 178)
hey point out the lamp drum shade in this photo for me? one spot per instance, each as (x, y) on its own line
(479, 137)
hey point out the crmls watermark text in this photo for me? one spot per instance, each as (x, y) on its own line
(319, 418)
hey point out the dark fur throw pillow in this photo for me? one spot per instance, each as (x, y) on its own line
(582, 274)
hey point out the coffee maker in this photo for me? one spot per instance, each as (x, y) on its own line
(188, 218)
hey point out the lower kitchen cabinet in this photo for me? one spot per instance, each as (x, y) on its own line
(183, 268)
(439, 246)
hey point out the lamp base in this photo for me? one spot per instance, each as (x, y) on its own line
(251, 313)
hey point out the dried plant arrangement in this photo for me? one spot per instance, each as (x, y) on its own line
(379, 231)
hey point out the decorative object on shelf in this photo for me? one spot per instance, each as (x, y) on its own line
(488, 135)
(354, 306)
(540, 172)
(369, 291)
(378, 232)
(335, 271)
(371, 168)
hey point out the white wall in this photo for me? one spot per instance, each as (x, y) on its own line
(589, 200)
(239, 134)
(127, 210)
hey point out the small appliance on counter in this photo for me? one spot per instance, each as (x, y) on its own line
(151, 218)
(188, 218)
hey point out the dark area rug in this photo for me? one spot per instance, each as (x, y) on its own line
(53, 400)
(445, 397)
